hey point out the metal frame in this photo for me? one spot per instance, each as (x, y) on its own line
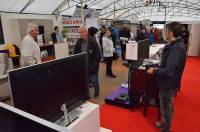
(168, 8)
(27, 5)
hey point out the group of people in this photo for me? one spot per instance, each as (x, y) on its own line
(169, 73)
(154, 35)
(30, 51)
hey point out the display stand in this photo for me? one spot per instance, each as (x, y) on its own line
(61, 50)
(54, 51)
(88, 120)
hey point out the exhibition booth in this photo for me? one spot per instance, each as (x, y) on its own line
(54, 96)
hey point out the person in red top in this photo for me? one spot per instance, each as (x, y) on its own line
(156, 35)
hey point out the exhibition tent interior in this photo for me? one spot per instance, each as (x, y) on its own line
(187, 102)
(156, 10)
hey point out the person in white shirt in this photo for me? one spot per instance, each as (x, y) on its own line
(30, 51)
(108, 50)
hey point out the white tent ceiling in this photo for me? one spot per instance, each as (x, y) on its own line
(111, 9)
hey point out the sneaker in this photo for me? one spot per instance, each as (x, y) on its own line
(158, 124)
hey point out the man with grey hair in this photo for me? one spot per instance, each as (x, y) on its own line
(30, 51)
(87, 43)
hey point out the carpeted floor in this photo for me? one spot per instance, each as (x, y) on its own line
(187, 108)
(107, 84)
(187, 103)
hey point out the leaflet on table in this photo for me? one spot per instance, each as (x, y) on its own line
(132, 51)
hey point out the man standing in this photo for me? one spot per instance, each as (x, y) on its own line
(56, 36)
(125, 33)
(141, 35)
(185, 36)
(30, 51)
(87, 43)
(169, 73)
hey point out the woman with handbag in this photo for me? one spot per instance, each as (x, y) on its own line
(108, 50)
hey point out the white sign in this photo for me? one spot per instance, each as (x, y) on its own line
(86, 12)
(40, 40)
(132, 51)
(71, 22)
(71, 27)
(147, 23)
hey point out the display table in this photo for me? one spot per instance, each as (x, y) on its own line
(4, 88)
(88, 121)
(153, 49)
(54, 51)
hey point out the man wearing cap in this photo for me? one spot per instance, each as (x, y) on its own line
(87, 43)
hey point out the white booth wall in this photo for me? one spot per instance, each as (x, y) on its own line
(194, 45)
(10, 29)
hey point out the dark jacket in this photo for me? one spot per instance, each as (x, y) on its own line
(185, 36)
(125, 33)
(173, 62)
(94, 54)
(53, 37)
(100, 39)
(141, 36)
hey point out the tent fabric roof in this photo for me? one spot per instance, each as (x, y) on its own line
(111, 9)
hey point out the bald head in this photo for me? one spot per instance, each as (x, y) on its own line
(83, 32)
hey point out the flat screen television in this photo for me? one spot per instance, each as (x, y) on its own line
(143, 49)
(42, 89)
(14, 120)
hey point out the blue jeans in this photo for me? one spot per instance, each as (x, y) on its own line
(167, 107)
(94, 79)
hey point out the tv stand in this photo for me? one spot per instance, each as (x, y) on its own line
(67, 117)
(88, 119)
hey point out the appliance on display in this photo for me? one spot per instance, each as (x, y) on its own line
(143, 49)
(137, 50)
(15, 120)
(42, 89)
(130, 97)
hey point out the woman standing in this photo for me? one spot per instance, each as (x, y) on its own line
(108, 50)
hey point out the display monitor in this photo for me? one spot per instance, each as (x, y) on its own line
(42, 89)
(14, 120)
(143, 49)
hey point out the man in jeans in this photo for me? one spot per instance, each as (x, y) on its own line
(169, 73)
(87, 43)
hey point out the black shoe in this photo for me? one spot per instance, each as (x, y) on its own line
(88, 97)
(96, 95)
(112, 75)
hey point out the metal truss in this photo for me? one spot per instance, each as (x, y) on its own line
(168, 8)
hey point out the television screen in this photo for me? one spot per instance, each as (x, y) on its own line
(42, 89)
(143, 49)
(14, 122)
